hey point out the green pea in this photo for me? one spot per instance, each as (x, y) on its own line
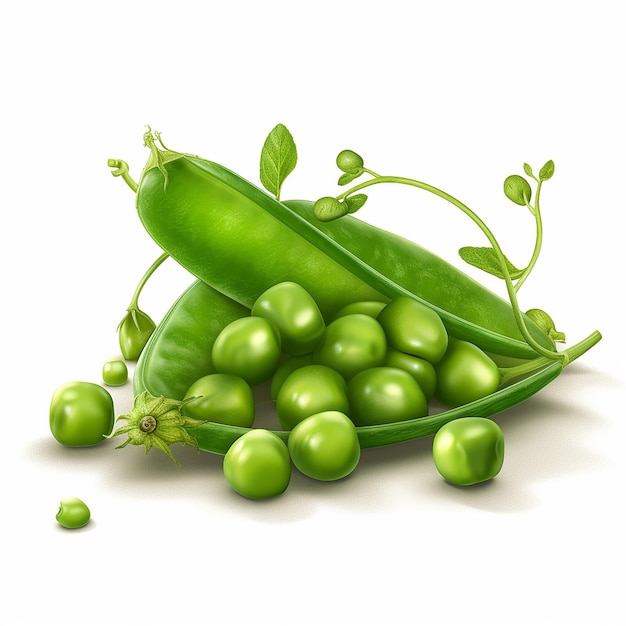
(469, 450)
(325, 446)
(73, 513)
(367, 307)
(414, 328)
(309, 390)
(248, 347)
(294, 313)
(114, 373)
(287, 367)
(257, 465)
(81, 414)
(221, 398)
(465, 374)
(383, 395)
(422, 370)
(351, 344)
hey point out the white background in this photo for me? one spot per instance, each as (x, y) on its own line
(459, 94)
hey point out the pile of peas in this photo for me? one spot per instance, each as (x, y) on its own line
(373, 363)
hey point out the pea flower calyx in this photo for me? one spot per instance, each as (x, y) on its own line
(156, 422)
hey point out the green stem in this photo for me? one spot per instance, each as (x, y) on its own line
(551, 354)
(538, 240)
(133, 303)
(575, 351)
(122, 170)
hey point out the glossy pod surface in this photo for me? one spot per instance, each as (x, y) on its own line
(241, 241)
(183, 337)
(179, 351)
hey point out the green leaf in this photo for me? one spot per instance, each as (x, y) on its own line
(278, 159)
(486, 259)
(528, 170)
(345, 179)
(354, 203)
(547, 171)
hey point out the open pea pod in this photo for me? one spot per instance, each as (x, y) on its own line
(218, 438)
(178, 352)
(241, 241)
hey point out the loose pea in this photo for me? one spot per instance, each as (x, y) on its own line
(73, 513)
(257, 465)
(114, 373)
(469, 450)
(81, 414)
(325, 446)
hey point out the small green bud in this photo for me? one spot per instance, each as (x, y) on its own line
(517, 189)
(545, 322)
(349, 161)
(328, 209)
(133, 333)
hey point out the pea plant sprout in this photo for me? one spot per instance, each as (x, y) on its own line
(489, 259)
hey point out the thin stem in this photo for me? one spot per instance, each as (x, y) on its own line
(552, 354)
(144, 279)
(538, 240)
(575, 351)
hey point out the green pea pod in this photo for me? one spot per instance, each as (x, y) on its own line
(178, 354)
(179, 351)
(218, 438)
(241, 241)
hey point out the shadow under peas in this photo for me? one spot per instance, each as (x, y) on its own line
(544, 438)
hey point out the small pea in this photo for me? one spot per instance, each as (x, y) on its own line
(73, 513)
(114, 373)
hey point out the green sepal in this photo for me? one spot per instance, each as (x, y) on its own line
(487, 260)
(156, 422)
(158, 157)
